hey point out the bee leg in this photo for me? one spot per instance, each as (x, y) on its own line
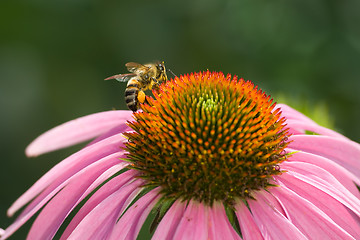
(155, 85)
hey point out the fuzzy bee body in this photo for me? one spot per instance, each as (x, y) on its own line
(140, 78)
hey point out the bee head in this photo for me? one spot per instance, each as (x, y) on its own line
(161, 66)
(161, 71)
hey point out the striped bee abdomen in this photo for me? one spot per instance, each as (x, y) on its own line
(131, 93)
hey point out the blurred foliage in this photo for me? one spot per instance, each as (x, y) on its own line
(54, 56)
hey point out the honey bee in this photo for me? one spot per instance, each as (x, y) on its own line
(141, 78)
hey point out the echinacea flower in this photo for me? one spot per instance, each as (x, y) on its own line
(211, 156)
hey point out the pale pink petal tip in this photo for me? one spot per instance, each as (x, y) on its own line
(2, 231)
(77, 131)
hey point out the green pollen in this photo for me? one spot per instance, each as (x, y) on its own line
(209, 138)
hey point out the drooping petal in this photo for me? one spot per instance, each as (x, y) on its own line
(249, 229)
(299, 127)
(345, 177)
(130, 223)
(219, 226)
(103, 216)
(54, 213)
(311, 221)
(114, 131)
(344, 152)
(76, 131)
(58, 175)
(102, 193)
(46, 195)
(203, 222)
(324, 181)
(89, 172)
(290, 113)
(169, 223)
(330, 206)
(106, 175)
(193, 224)
(106, 190)
(272, 224)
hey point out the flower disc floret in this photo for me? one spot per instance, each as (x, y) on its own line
(208, 137)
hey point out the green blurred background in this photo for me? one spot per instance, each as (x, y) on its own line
(54, 56)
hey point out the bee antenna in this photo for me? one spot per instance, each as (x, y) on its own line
(168, 69)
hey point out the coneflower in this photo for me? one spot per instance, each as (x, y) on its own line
(212, 156)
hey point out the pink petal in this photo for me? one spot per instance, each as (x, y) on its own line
(219, 226)
(167, 226)
(100, 221)
(312, 222)
(77, 131)
(114, 131)
(324, 181)
(276, 204)
(193, 224)
(249, 229)
(203, 222)
(45, 196)
(130, 223)
(106, 175)
(301, 127)
(328, 205)
(52, 216)
(272, 224)
(341, 174)
(106, 190)
(59, 174)
(290, 113)
(344, 152)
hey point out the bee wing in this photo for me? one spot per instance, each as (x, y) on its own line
(122, 77)
(133, 66)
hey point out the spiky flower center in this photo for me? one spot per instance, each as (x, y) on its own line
(209, 138)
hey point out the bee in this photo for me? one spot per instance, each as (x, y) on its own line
(141, 78)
